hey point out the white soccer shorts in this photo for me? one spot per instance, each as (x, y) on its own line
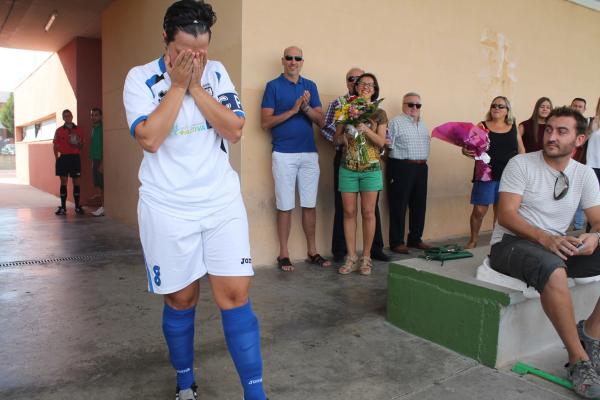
(179, 251)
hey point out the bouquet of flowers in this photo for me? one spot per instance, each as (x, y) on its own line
(355, 111)
(471, 137)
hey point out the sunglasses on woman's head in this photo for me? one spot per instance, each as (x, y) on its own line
(562, 184)
(290, 58)
(498, 106)
(414, 105)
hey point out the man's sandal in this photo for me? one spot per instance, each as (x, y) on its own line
(285, 264)
(349, 266)
(318, 260)
(367, 265)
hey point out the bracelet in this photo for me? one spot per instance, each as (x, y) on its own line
(598, 234)
(305, 109)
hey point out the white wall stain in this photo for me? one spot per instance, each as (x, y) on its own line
(499, 74)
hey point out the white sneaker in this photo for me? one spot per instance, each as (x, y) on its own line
(99, 212)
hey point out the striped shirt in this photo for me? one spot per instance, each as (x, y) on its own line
(328, 129)
(529, 176)
(410, 140)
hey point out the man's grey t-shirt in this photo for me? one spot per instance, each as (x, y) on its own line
(531, 177)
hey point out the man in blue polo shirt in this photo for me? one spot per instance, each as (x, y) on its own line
(290, 106)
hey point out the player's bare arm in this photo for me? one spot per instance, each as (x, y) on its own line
(151, 133)
(225, 122)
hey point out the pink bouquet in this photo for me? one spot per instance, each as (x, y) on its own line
(471, 137)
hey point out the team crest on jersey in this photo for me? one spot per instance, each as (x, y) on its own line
(161, 94)
(208, 88)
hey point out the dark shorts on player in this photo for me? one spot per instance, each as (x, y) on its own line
(533, 263)
(97, 175)
(68, 165)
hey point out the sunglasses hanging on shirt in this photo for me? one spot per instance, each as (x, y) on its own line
(561, 185)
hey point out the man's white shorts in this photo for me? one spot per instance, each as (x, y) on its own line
(178, 251)
(289, 167)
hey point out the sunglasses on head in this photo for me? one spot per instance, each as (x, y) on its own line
(414, 105)
(290, 58)
(352, 79)
(562, 184)
(498, 106)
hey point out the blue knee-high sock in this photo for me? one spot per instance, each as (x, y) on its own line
(243, 341)
(178, 327)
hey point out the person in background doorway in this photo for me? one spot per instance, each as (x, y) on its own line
(96, 155)
(68, 142)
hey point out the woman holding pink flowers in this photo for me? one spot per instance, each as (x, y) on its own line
(360, 171)
(505, 143)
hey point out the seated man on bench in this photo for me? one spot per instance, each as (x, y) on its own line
(539, 193)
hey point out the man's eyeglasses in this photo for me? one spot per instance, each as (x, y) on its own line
(290, 58)
(561, 186)
(414, 105)
(352, 79)
(498, 106)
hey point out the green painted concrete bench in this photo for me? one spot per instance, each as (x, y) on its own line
(491, 324)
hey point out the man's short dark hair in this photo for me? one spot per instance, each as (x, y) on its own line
(66, 110)
(579, 99)
(564, 111)
(96, 109)
(189, 16)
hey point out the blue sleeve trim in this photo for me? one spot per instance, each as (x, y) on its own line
(161, 64)
(136, 123)
(240, 113)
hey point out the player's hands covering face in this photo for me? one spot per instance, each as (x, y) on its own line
(180, 70)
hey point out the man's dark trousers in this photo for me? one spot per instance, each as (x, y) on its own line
(407, 187)
(338, 240)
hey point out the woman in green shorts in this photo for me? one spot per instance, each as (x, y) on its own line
(360, 172)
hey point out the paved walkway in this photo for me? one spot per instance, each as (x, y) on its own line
(77, 322)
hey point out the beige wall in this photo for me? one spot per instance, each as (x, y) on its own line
(44, 93)
(457, 54)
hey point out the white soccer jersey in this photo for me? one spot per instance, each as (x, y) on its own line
(190, 175)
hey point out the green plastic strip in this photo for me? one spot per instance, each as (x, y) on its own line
(522, 369)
